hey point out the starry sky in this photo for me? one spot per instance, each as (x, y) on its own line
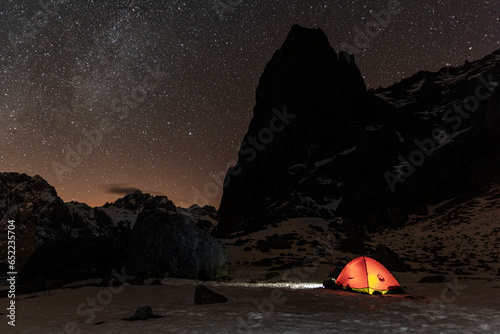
(104, 97)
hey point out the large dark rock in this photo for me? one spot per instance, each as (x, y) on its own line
(172, 244)
(143, 313)
(203, 295)
(353, 244)
(320, 145)
(74, 259)
(206, 217)
(278, 242)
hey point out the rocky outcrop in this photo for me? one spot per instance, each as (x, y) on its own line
(143, 313)
(139, 201)
(59, 242)
(71, 259)
(308, 123)
(40, 215)
(172, 244)
(320, 145)
(203, 296)
(206, 217)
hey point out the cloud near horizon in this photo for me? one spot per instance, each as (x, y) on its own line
(125, 189)
(119, 188)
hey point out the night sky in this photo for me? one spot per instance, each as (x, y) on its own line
(165, 89)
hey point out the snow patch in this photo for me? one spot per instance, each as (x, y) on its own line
(333, 205)
(373, 127)
(352, 149)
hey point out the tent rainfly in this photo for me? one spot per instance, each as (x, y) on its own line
(366, 275)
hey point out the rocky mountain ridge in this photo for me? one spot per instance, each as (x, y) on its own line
(88, 240)
(370, 157)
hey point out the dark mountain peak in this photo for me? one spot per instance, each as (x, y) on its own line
(143, 201)
(341, 151)
(309, 107)
(14, 186)
(33, 203)
(10, 179)
(303, 40)
(306, 74)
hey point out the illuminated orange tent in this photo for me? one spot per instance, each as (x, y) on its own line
(366, 275)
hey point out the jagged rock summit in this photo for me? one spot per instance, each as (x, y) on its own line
(320, 145)
(34, 202)
(311, 105)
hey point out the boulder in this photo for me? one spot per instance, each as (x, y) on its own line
(172, 244)
(203, 295)
(143, 313)
(278, 242)
(156, 281)
(353, 244)
(262, 245)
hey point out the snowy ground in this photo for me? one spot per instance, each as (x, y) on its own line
(259, 308)
(458, 239)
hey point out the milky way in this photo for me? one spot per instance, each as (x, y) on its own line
(103, 97)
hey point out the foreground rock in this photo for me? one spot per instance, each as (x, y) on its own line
(311, 97)
(172, 244)
(143, 313)
(203, 295)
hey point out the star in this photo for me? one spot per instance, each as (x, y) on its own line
(159, 94)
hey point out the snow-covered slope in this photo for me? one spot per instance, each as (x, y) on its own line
(446, 85)
(123, 212)
(206, 217)
(112, 217)
(268, 309)
(459, 236)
